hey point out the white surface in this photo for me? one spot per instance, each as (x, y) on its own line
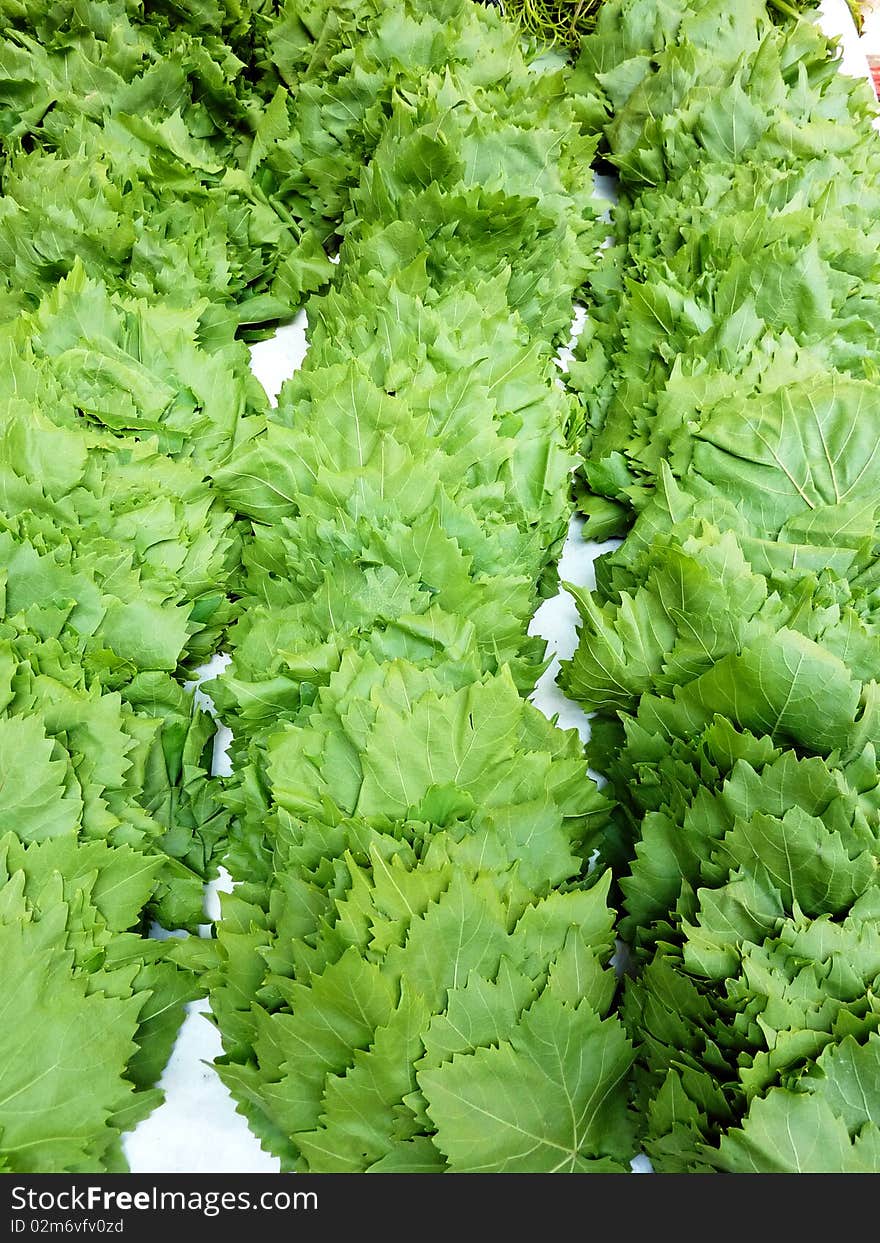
(273, 361)
(197, 1130)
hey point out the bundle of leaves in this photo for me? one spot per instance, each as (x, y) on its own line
(122, 388)
(731, 647)
(96, 1005)
(745, 257)
(414, 968)
(746, 741)
(116, 557)
(343, 66)
(420, 981)
(129, 143)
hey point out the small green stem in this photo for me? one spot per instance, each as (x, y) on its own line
(782, 7)
(555, 20)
